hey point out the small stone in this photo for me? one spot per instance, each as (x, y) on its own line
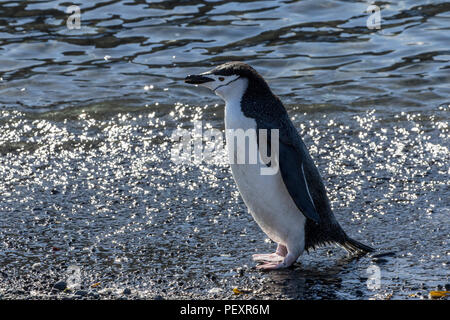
(380, 260)
(447, 287)
(239, 271)
(19, 292)
(60, 285)
(127, 291)
(215, 290)
(81, 293)
(158, 298)
(36, 265)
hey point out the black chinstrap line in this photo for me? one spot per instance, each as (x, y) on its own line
(223, 85)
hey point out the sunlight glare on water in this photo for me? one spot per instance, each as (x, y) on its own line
(86, 121)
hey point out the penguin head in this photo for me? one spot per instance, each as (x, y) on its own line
(229, 80)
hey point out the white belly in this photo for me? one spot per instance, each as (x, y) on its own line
(266, 196)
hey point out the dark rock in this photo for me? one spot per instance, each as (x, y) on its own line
(60, 285)
(19, 292)
(384, 254)
(447, 287)
(380, 260)
(82, 293)
(127, 291)
(158, 298)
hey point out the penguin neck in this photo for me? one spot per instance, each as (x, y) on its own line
(260, 103)
(234, 113)
(250, 99)
(233, 92)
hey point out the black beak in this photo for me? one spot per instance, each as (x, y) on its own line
(197, 79)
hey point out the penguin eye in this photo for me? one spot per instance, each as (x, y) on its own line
(221, 78)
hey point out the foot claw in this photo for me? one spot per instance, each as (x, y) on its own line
(269, 266)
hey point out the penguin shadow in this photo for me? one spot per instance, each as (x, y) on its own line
(307, 281)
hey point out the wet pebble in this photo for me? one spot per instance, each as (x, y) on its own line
(82, 293)
(380, 260)
(36, 265)
(127, 291)
(383, 254)
(60, 285)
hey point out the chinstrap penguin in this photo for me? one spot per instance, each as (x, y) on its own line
(291, 206)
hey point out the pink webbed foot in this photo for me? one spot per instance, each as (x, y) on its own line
(286, 263)
(278, 256)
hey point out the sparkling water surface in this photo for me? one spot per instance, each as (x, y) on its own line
(86, 118)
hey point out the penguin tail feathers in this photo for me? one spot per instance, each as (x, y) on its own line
(355, 247)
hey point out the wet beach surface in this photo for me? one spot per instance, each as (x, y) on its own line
(91, 200)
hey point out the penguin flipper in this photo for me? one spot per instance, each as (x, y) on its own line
(293, 174)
